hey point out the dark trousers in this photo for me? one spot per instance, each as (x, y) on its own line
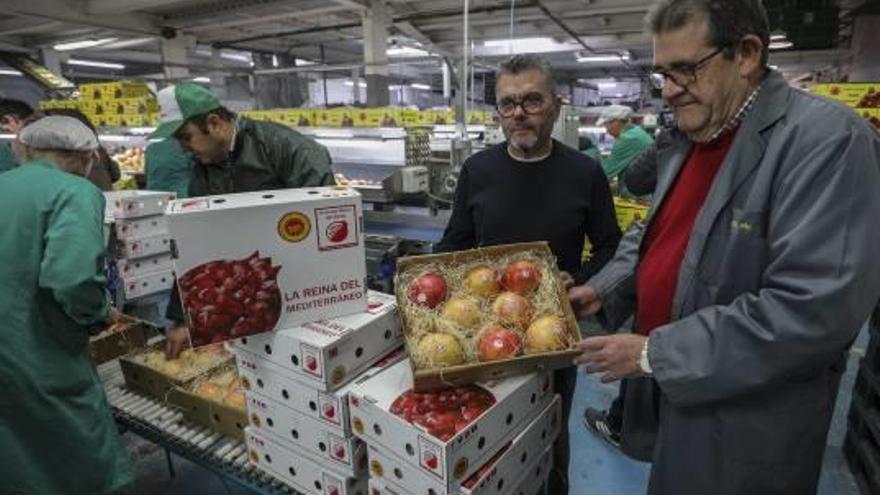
(564, 383)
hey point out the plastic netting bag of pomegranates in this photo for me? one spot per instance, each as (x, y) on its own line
(256, 262)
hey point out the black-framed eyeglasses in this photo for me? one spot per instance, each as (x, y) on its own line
(531, 104)
(683, 74)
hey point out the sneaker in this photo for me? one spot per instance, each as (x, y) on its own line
(597, 421)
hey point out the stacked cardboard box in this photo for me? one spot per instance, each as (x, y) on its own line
(488, 438)
(140, 242)
(297, 381)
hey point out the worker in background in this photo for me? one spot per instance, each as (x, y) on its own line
(630, 141)
(12, 114)
(587, 147)
(168, 167)
(233, 154)
(106, 170)
(534, 188)
(755, 271)
(57, 432)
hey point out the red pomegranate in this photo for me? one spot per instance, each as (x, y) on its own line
(428, 290)
(521, 277)
(497, 342)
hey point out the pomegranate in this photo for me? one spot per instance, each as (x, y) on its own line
(441, 350)
(235, 399)
(521, 277)
(225, 299)
(496, 342)
(428, 289)
(464, 311)
(483, 282)
(512, 308)
(546, 334)
(443, 413)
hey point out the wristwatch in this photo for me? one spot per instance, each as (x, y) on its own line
(644, 365)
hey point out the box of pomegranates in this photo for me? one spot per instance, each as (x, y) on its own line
(485, 313)
(503, 471)
(256, 262)
(329, 353)
(446, 435)
(215, 400)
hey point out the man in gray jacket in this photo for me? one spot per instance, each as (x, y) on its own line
(755, 270)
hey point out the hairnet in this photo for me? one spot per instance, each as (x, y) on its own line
(58, 133)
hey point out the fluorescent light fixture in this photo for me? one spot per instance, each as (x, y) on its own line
(301, 61)
(394, 87)
(540, 40)
(778, 36)
(606, 85)
(274, 60)
(406, 51)
(420, 86)
(540, 44)
(94, 63)
(351, 83)
(780, 45)
(10, 72)
(601, 58)
(237, 56)
(201, 79)
(76, 45)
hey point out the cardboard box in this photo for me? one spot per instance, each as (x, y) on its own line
(136, 204)
(115, 342)
(134, 120)
(532, 479)
(257, 262)
(330, 353)
(131, 228)
(145, 285)
(474, 441)
(278, 384)
(91, 107)
(114, 90)
(142, 378)
(299, 472)
(495, 477)
(344, 455)
(129, 269)
(438, 378)
(141, 247)
(133, 106)
(217, 416)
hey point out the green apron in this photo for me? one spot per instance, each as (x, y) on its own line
(56, 430)
(7, 157)
(633, 141)
(168, 167)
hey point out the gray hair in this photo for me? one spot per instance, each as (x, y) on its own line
(729, 21)
(518, 64)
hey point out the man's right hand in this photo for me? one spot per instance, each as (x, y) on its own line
(176, 340)
(584, 301)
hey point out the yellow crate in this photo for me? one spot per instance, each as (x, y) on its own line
(59, 105)
(629, 211)
(856, 95)
(300, 117)
(410, 117)
(335, 117)
(111, 121)
(872, 115)
(92, 107)
(131, 106)
(135, 120)
(114, 90)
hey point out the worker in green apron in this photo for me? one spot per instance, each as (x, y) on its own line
(56, 430)
(168, 167)
(12, 114)
(630, 142)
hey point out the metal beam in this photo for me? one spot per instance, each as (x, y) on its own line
(124, 6)
(247, 21)
(14, 26)
(65, 12)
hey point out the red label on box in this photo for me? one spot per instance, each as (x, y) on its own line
(311, 360)
(431, 457)
(336, 227)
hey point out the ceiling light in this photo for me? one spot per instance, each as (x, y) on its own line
(10, 72)
(406, 51)
(420, 86)
(302, 61)
(274, 60)
(606, 85)
(778, 36)
(527, 45)
(237, 56)
(94, 63)
(517, 41)
(351, 83)
(76, 45)
(583, 58)
(781, 45)
(201, 79)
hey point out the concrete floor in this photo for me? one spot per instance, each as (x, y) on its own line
(596, 467)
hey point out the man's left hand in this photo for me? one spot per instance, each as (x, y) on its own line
(616, 356)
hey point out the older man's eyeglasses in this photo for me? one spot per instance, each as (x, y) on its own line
(683, 74)
(531, 104)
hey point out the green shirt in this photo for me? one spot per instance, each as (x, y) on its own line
(7, 157)
(168, 167)
(265, 156)
(631, 143)
(56, 429)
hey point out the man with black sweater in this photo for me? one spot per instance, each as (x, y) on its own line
(534, 188)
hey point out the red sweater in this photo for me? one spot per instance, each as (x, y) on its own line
(669, 233)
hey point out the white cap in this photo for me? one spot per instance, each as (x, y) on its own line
(614, 112)
(58, 132)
